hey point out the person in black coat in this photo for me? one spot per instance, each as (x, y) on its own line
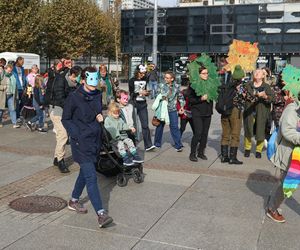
(81, 117)
(202, 110)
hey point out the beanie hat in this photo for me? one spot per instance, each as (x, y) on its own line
(238, 73)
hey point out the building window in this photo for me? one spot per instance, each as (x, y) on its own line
(216, 29)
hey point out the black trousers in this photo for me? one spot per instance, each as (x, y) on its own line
(143, 115)
(201, 128)
(184, 122)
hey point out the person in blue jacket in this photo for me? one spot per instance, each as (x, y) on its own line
(81, 117)
(20, 76)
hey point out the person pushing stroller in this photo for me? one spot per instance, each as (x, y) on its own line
(118, 130)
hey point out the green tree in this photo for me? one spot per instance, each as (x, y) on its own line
(20, 25)
(73, 28)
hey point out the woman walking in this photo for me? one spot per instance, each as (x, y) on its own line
(81, 117)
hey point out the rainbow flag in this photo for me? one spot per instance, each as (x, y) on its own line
(292, 179)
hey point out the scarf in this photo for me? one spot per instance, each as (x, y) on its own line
(292, 179)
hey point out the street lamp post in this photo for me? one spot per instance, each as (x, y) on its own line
(154, 42)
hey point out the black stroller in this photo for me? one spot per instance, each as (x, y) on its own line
(110, 163)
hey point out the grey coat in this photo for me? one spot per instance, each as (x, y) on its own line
(3, 88)
(288, 137)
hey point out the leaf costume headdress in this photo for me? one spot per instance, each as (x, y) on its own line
(202, 87)
(242, 53)
(291, 77)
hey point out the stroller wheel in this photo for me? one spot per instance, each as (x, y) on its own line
(121, 180)
(137, 176)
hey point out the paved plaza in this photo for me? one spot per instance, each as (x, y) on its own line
(180, 205)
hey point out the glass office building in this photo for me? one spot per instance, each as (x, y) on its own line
(211, 29)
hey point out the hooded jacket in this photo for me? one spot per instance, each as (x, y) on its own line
(79, 119)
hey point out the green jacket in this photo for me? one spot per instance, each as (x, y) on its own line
(258, 110)
(116, 128)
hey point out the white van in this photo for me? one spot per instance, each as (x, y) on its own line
(29, 58)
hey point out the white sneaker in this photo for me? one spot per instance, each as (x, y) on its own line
(16, 126)
(150, 148)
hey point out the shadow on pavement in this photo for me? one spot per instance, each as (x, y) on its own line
(263, 183)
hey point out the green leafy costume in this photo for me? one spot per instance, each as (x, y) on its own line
(209, 86)
(291, 77)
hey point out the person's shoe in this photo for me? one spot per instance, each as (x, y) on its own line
(224, 154)
(275, 216)
(137, 159)
(29, 126)
(104, 219)
(179, 149)
(202, 156)
(76, 206)
(193, 158)
(42, 130)
(62, 167)
(16, 126)
(1, 125)
(258, 155)
(247, 153)
(127, 161)
(232, 156)
(150, 148)
(55, 162)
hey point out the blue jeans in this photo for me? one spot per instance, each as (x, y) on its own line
(153, 86)
(12, 111)
(174, 130)
(88, 177)
(39, 115)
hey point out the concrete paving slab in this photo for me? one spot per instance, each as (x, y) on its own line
(150, 245)
(6, 157)
(277, 236)
(13, 230)
(194, 229)
(21, 168)
(231, 198)
(168, 177)
(62, 237)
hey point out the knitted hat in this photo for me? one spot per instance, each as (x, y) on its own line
(238, 73)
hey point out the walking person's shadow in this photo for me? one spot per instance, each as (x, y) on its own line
(263, 183)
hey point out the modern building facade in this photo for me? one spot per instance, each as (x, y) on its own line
(211, 29)
(126, 4)
(190, 3)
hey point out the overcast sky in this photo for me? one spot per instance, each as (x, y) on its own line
(166, 3)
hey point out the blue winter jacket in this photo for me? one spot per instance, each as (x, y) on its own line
(79, 119)
(19, 86)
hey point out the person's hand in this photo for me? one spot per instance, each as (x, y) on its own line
(99, 118)
(181, 111)
(262, 94)
(204, 97)
(144, 93)
(133, 130)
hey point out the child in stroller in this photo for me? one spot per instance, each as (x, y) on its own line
(114, 158)
(118, 131)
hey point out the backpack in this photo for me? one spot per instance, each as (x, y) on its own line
(224, 104)
(271, 148)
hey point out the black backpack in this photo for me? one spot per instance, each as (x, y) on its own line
(224, 103)
(49, 91)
